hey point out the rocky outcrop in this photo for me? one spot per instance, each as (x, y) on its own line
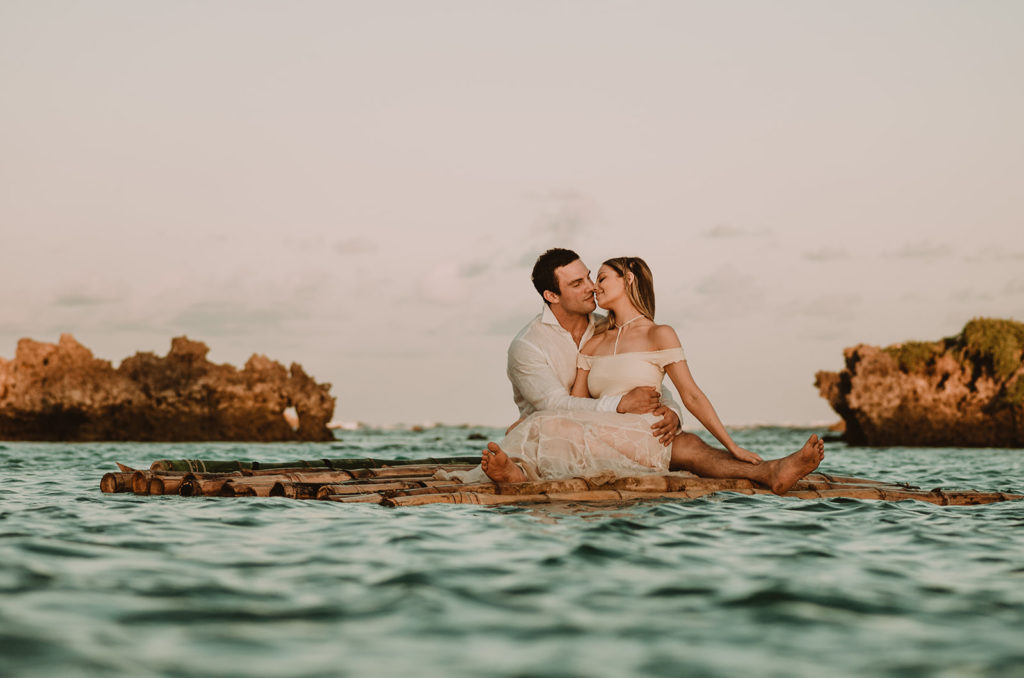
(963, 391)
(61, 392)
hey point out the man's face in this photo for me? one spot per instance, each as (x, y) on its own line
(577, 290)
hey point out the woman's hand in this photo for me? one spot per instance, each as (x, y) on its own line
(745, 455)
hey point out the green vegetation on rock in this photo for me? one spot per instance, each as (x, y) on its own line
(913, 356)
(985, 345)
(993, 344)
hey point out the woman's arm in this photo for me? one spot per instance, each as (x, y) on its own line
(698, 404)
(694, 399)
(579, 387)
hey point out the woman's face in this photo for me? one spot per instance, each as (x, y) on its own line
(610, 286)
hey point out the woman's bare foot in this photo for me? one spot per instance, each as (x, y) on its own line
(498, 467)
(788, 470)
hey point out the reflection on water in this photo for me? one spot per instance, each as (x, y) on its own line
(95, 584)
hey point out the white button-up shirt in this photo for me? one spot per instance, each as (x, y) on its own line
(542, 368)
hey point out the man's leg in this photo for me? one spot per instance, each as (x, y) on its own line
(690, 453)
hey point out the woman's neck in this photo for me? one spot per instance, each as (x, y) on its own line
(624, 312)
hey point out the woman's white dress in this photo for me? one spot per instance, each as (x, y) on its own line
(570, 443)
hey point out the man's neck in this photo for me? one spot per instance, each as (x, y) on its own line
(574, 323)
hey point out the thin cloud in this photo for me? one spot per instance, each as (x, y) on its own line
(355, 246)
(220, 318)
(78, 300)
(969, 295)
(1014, 287)
(994, 253)
(726, 283)
(474, 269)
(827, 254)
(307, 244)
(827, 306)
(507, 326)
(922, 251)
(451, 282)
(729, 231)
(565, 215)
(444, 284)
(722, 294)
(562, 219)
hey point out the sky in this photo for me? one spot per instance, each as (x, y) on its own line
(362, 187)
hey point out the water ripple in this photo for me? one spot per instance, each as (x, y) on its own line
(120, 585)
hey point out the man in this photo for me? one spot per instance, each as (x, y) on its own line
(542, 367)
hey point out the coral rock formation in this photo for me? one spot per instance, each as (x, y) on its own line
(61, 392)
(963, 391)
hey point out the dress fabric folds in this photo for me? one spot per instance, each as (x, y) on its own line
(579, 443)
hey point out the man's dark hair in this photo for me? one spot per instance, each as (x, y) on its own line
(544, 270)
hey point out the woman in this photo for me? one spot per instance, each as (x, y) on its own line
(634, 351)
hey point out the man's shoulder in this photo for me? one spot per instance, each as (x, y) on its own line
(527, 337)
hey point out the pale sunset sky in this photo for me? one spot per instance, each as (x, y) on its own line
(362, 187)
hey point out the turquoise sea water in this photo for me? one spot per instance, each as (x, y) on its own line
(96, 584)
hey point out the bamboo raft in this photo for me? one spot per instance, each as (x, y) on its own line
(412, 482)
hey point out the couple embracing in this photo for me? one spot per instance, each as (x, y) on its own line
(590, 394)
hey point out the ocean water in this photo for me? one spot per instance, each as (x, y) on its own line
(95, 584)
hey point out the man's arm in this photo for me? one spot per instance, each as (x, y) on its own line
(536, 381)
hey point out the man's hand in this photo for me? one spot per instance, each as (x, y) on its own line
(640, 400)
(665, 430)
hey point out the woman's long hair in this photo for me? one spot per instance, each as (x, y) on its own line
(639, 289)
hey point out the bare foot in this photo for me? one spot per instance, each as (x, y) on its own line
(788, 470)
(498, 467)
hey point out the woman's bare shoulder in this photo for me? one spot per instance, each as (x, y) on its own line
(664, 336)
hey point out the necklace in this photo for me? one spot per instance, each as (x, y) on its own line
(615, 349)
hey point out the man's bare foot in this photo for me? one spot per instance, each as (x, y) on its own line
(498, 467)
(788, 470)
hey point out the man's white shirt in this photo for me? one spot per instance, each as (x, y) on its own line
(542, 368)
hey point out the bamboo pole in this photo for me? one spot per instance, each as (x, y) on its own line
(204, 485)
(165, 483)
(466, 498)
(310, 475)
(442, 487)
(223, 466)
(116, 482)
(360, 487)
(407, 471)
(290, 490)
(370, 498)
(248, 486)
(140, 482)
